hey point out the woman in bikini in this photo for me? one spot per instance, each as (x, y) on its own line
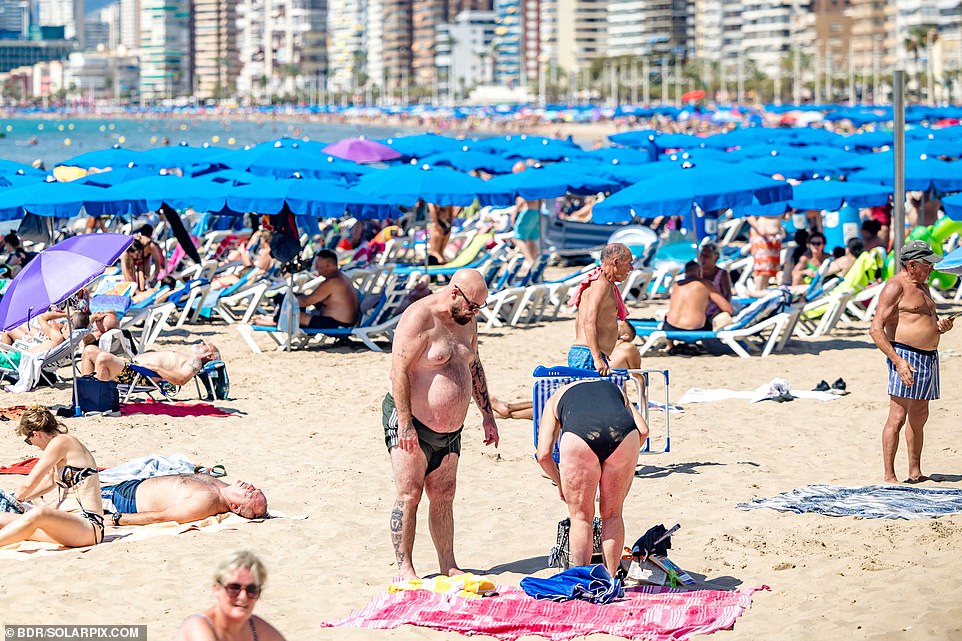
(238, 582)
(143, 260)
(67, 467)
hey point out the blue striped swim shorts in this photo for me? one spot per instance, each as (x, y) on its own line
(925, 384)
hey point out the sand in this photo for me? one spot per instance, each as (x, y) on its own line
(309, 433)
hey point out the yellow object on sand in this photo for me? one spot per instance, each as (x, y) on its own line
(468, 585)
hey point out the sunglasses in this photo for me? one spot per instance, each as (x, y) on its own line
(471, 306)
(28, 439)
(817, 243)
(233, 589)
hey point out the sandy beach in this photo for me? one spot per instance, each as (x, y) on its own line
(307, 431)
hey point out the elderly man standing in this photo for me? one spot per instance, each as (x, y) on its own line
(600, 307)
(907, 330)
(435, 370)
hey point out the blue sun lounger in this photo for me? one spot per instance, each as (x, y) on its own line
(548, 379)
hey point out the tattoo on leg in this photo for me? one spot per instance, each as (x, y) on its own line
(480, 385)
(397, 524)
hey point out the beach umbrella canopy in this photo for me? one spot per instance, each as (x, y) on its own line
(179, 156)
(953, 207)
(285, 161)
(305, 197)
(407, 184)
(470, 161)
(636, 138)
(788, 167)
(952, 262)
(115, 156)
(8, 167)
(531, 184)
(920, 174)
(676, 193)
(421, 145)
(830, 195)
(57, 273)
(153, 192)
(55, 199)
(361, 150)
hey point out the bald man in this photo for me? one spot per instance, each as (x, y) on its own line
(435, 370)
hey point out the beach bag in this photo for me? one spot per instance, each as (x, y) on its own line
(559, 556)
(94, 395)
(285, 242)
(288, 314)
(215, 381)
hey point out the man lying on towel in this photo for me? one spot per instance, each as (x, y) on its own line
(182, 498)
(176, 368)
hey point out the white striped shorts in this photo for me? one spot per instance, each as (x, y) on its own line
(925, 384)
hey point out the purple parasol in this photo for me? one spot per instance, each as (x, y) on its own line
(361, 150)
(58, 272)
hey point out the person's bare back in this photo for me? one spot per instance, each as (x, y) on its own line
(688, 305)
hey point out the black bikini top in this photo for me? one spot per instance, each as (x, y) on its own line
(70, 476)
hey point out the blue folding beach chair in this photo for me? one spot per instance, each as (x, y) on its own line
(548, 379)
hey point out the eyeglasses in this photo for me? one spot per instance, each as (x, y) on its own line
(233, 589)
(471, 306)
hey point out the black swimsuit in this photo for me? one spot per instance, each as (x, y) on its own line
(69, 477)
(596, 413)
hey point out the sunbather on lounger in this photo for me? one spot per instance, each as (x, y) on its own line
(177, 368)
(688, 306)
(335, 300)
(182, 498)
(50, 330)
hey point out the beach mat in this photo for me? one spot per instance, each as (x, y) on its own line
(652, 613)
(869, 501)
(157, 408)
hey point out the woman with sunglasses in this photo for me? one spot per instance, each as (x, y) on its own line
(238, 582)
(67, 467)
(811, 261)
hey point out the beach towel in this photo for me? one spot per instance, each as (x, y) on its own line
(23, 467)
(591, 583)
(699, 395)
(171, 409)
(652, 613)
(869, 501)
(592, 276)
(146, 467)
(12, 413)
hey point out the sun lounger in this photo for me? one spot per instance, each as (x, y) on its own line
(772, 315)
(548, 379)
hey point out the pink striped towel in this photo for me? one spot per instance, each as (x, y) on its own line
(652, 613)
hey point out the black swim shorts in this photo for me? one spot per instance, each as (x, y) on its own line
(435, 445)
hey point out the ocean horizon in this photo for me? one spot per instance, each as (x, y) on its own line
(54, 140)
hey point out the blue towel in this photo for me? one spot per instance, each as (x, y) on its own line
(870, 501)
(586, 583)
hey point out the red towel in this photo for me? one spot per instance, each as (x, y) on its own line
(171, 409)
(23, 467)
(592, 276)
(654, 613)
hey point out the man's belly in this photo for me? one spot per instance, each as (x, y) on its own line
(440, 398)
(918, 337)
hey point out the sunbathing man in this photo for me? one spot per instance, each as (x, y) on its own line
(176, 368)
(907, 329)
(52, 330)
(435, 370)
(182, 498)
(335, 301)
(688, 305)
(600, 307)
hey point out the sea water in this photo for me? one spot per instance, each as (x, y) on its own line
(54, 140)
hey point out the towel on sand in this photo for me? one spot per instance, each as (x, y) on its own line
(870, 501)
(583, 582)
(23, 467)
(146, 467)
(652, 613)
(171, 409)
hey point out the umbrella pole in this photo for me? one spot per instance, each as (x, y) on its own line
(294, 317)
(73, 363)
